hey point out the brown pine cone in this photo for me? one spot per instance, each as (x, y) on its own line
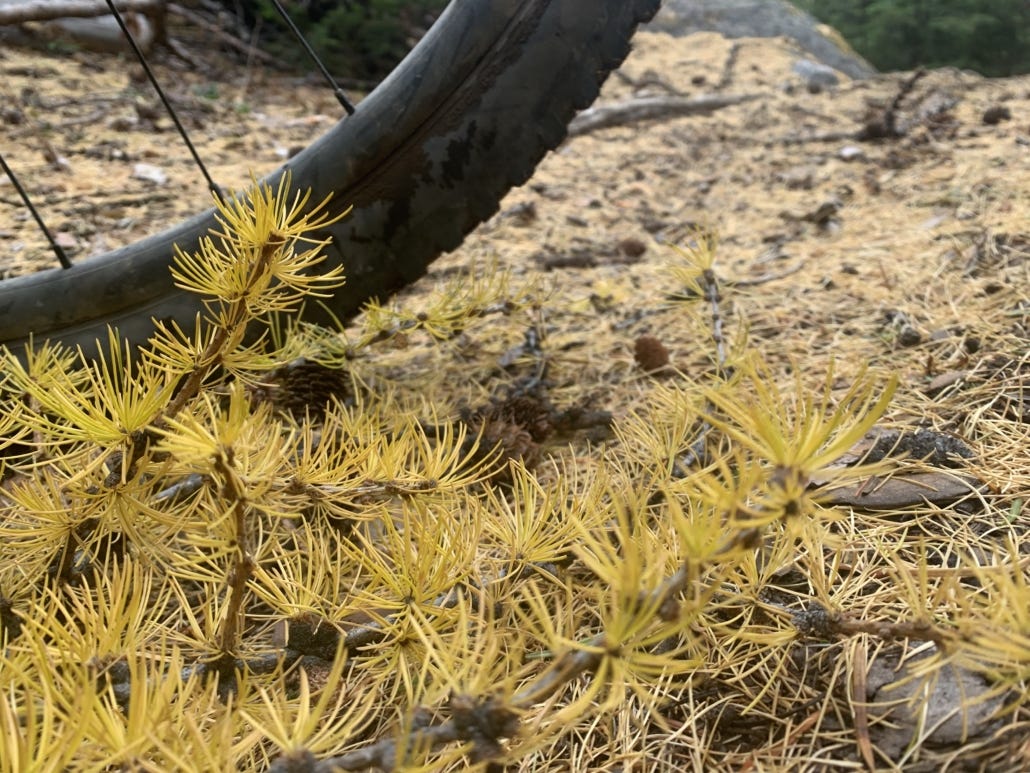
(304, 386)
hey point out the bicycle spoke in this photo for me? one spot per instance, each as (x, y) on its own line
(62, 258)
(212, 186)
(338, 92)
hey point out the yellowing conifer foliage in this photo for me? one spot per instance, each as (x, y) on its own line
(209, 562)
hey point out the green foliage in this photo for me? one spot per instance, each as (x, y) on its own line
(196, 575)
(361, 39)
(989, 36)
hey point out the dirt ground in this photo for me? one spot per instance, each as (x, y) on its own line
(908, 253)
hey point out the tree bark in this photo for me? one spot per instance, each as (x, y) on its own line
(87, 24)
(20, 11)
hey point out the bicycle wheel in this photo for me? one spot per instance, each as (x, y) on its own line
(427, 156)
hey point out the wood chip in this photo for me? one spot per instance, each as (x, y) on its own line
(906, 490)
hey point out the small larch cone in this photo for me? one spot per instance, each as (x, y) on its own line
(650, 353)
(304, 386)
(512, 429)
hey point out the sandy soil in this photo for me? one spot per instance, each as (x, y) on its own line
(909, 254)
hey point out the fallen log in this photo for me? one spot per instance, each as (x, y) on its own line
(87, 24)
(21, 11)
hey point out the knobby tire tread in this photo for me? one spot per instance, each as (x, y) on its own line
(427, 157)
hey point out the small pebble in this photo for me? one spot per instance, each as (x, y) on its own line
(632, 247)
(909, 336)
(996, 114)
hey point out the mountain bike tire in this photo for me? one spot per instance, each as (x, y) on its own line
(427, 156)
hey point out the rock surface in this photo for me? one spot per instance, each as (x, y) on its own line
(762, 19)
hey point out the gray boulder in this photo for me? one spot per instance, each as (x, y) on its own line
(762, 19)
(817, 76)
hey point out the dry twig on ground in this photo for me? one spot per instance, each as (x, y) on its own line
(650, 108)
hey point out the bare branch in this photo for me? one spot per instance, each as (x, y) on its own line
(650, 108)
